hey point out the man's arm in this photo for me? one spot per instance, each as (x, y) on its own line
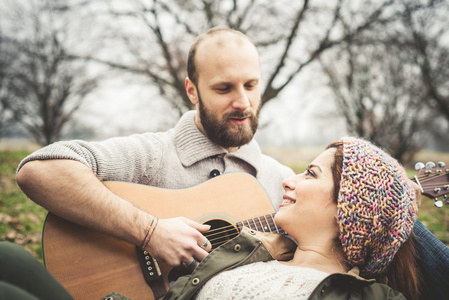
(72, 191)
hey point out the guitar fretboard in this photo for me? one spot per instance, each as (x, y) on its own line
(263, 223)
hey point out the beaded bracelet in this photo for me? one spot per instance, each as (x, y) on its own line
(149, 233)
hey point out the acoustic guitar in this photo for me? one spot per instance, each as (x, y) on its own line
(90, 264)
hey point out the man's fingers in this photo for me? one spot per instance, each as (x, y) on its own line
(205, 244)
(180, 240)
(197, 226)
(193, 264)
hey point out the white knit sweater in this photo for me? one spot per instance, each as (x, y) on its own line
(262, 280)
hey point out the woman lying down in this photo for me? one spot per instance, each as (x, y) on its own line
(351, 213)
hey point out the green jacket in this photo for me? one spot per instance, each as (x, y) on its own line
(252, 246)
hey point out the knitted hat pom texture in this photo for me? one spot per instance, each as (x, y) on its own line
(376, 209)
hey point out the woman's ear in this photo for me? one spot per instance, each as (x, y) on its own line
(191, 91)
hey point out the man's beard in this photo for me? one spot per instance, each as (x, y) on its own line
(220, 133)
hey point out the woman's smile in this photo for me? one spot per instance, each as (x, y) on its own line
(287, 201)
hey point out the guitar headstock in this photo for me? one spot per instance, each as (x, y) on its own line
(433, 181)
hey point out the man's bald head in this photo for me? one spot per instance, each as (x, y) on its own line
(217, 37)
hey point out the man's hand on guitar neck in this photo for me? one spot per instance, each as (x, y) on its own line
(179, 240)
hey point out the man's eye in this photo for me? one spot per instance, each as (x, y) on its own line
(250, 85)
(222, 89)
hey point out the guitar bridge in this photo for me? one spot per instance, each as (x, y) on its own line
(151, 273)
(149, 265)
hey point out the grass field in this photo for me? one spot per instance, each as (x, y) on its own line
(21, 220)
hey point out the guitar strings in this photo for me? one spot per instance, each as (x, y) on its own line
(434, 174)
(220, 230)
(269, 222)
(429, 177)
(231, 231)
(423, 180)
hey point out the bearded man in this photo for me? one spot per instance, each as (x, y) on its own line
(224, 83)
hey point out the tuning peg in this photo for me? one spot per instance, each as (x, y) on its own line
(438, 203)
(419, 166)
(430, 165)
(441, 164)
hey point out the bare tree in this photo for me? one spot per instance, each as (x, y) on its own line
(48, 87)
(6, 113)
(427, 33)
(379, 98)
(391, 82)
(290, 35)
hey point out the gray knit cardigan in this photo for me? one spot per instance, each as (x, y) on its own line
(179, 158)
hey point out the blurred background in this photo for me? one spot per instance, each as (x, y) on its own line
(377, 69)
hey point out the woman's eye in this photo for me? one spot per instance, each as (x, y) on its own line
(310, 173)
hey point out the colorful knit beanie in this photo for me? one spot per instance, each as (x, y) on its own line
(376, 209)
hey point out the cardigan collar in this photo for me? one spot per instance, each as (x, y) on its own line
(193, 146)
(355, 272)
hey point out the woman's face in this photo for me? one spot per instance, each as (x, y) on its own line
(308, 207)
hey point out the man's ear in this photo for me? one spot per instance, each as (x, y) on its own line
(191, 91)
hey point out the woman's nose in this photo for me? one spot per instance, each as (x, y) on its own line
(289, 183)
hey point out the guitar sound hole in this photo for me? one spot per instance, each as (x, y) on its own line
(219, 233)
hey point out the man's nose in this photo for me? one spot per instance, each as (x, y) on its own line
(241, 100)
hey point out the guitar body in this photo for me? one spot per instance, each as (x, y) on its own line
(90, 264)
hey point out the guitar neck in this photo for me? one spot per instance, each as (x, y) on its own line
(263, 223)
(434, 183)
